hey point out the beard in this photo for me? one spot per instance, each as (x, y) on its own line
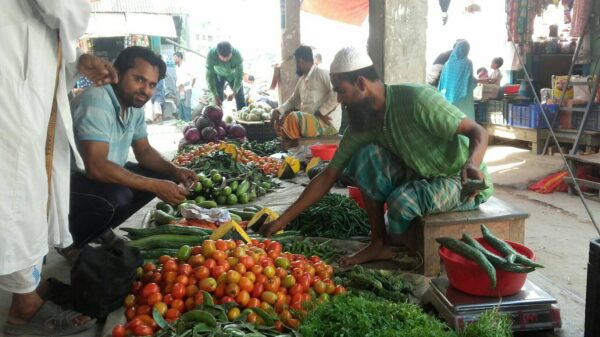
(299, 72)
(361, 116)
(136, 99)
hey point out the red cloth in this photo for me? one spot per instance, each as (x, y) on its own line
(552, 183)
(351, 12)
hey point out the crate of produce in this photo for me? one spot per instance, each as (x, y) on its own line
(481, 115)
(260, 131)
(530, 115)
(497, 112)
(592, 123)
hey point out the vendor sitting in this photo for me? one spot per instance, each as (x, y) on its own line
(405, 146)
(311, 111)
(108, 121)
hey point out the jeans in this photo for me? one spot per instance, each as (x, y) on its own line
(97, 206)
(240, 100)
(185, 106)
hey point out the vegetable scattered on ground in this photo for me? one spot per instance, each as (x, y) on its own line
(374, 283)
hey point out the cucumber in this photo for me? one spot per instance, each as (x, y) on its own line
(242, 214)
(208, 204)
(470, 253)
(507, 250)
(243, 187)
(235, 217)
(153, 254)
(163, 206)
(162, 218)
(138, 233)
(167, 241)
(493, 258)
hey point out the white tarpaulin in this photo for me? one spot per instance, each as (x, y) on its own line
(122, 24)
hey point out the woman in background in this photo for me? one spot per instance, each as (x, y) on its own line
(457, 81)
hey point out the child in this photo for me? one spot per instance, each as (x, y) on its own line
(496, 76)
(482, 74)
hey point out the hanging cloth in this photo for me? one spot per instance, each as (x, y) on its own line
(581, 15)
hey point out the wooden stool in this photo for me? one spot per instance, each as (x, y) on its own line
(289, 143)
(505, 221)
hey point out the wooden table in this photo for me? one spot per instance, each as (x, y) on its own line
(504, 220)
(576, 161)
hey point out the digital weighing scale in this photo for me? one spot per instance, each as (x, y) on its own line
(530, 309)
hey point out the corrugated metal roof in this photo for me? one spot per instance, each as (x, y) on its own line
(139, 6)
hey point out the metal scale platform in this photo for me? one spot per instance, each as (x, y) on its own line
(531, 309)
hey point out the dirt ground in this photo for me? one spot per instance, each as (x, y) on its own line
(558, 229)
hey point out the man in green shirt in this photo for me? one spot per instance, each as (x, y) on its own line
(225, 64)
(406, 147)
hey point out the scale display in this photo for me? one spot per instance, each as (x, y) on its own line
(530, 309)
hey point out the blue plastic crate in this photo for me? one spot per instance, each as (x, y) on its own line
(497, 112)
(592, 122)
(530, 115)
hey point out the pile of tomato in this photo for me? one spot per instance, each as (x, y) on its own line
(257, 274)
(268, 165)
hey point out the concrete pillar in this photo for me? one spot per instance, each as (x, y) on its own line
(397, 39)
(290, 40)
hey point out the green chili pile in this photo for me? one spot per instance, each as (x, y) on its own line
(334, 216)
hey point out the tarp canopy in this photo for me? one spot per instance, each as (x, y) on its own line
(123, 24)
(351, 12)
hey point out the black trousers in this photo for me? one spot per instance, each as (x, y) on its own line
(240, 100)
(96, 206)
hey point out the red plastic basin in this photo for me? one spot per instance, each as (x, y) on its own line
(323, 151)
(469, 277)
(356, 194)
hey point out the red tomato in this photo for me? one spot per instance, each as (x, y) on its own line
(184, 269)
(182, 279)
(172, 314)
(143, 310)
(216, 271)
(209, 263)
(170, 265)
(221, 245)
(119, 331)
(168, 299)
(130, 313)
(154, 298)
(136, 287)
(257, 290)
(273, 284)
(169, 277)
(208, 284)
(201, 272)
(178, 291)
(220, 291)
(178, 304)
(253, 303)
(196, 260)
(149, 266)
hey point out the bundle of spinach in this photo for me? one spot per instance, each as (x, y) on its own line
(374, 283)
(263, 149)
(354, 316)
(334, 216)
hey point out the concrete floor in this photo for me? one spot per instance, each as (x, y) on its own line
(558, 229)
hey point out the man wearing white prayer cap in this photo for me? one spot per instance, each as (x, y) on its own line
(406, 148)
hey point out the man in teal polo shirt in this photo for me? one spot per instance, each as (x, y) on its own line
(225, 64)
(405, 146)
(108, 120)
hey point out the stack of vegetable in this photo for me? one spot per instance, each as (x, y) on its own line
(512, 261)
(255, 112)
(334, 216)
(195, 155)
(240, 277)
(374, 283)
(324, 248)
(210, 127)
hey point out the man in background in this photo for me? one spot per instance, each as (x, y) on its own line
(185, 83)
(224, 64)
(310, 110)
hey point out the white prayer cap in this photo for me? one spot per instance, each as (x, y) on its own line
(349, 59)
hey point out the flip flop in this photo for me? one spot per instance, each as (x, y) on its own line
(50, 320)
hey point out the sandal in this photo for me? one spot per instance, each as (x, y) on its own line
(50, 320)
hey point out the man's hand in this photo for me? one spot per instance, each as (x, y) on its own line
(97, 70)
(185, 176)
(275, 116)
(471, 171)
(230, 97)
(322, 117)
(218, 101)
(169, 191)
(271, 228)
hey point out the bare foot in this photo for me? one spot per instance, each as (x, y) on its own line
(25, 306)
(372, 252)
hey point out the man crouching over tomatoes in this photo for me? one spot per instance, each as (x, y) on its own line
(405, 146)
(108, 120)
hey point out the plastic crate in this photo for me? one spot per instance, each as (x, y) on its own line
(592, 123)
(481, 115)
(258, 131)
(530, 115)
(497, 112)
